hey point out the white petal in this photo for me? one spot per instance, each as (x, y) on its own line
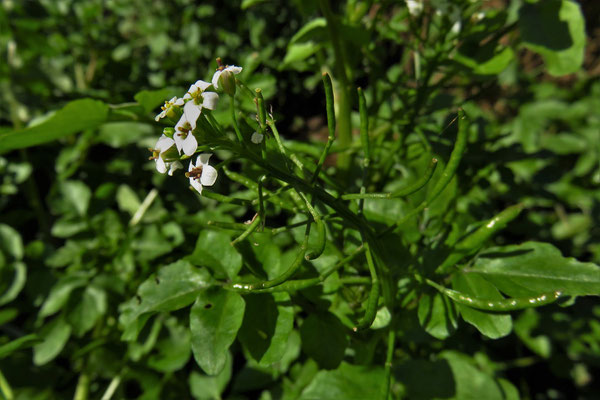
(191, 167)
(190, 144)
(176, 137)
(172, 101)
(209, 175)
(234, 69)
(160, 165)
(196, 185)
(164, 143)
(193, 89)
(187, 96)
(192, 112)
(203, 159)
(178, 102)
(202, 85)
(210, 100)
(215, 79)
(174, 166)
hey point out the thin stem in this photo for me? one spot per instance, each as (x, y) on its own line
(139, 214)
(281, 278)
(82, 388)
(226, 199)
(234, 120)
(373, 299)
(282, 149)
(249, 230)
(261, 111)
(447, 175)
(343, 97)
(330, 124)
(399, 193)
(385, 392)
(112, 387)
(298, 284)
(364, 138)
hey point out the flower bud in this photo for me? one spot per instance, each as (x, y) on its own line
(169, 132)
(227, 82)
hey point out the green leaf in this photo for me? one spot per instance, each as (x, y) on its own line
(525, 325)
(72, 118)
(470, 382)
(351, 382)
(119, 134)
(77, 195)
(249, 3)
(324, 339)
(298, 52)
(10, 242)
(60, 294)
(437, 315)
(127, 199)
(316, 29)
(18, 281)
(54, 335)
(214, 250)
(84, 310)
(68, 226)
(205, 387)
(509, 391)
(492, 325)
(571, 225)
(268, 322)
(215, 319)
(534, 268)
(175, 286)
(174, 351)
(556, 30)
(490, 59)
(151, 99)
(21, 343)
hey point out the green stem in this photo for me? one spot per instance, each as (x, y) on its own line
(226, 199)
(330, 124)
(83, 385)
(112, 387)
(343, 96)
(5, 389)
(374, 293)
(449, 171)
(234, 120)
(249, 230)
(385, 393)
(281, 278)
(298, 284)
(399, 193)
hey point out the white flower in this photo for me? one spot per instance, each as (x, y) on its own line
(415, 7)
(184, 138)
(174, 102)
(201, 174)
(197, 99)
(162, 146)
(257, 138)
(230, 68)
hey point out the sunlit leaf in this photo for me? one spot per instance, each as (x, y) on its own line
(215, 319)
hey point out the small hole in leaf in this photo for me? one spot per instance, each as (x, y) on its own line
(208, 306)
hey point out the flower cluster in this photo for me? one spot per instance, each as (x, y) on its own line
(181, 140)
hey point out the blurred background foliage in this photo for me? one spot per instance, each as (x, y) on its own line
(73, 249)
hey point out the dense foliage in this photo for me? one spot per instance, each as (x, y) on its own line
(401, 199)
